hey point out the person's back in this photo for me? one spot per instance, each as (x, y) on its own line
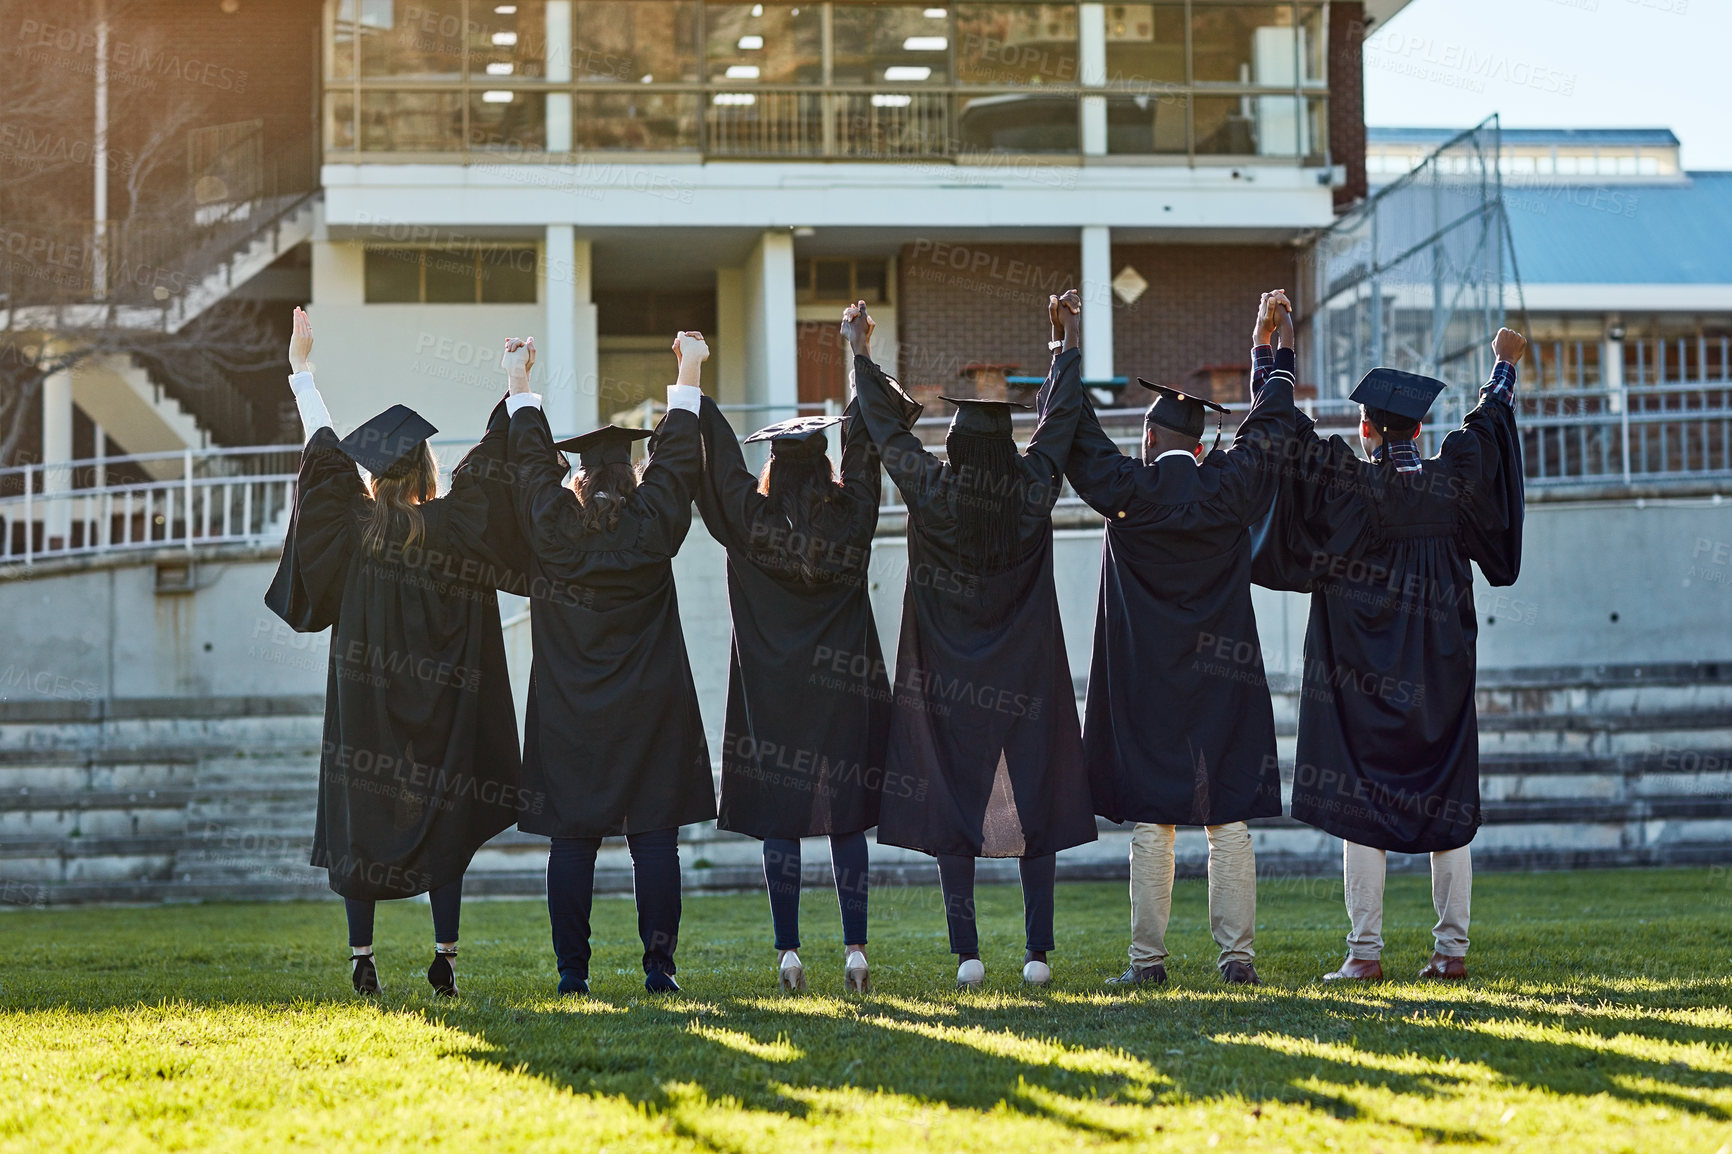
(1388, 750)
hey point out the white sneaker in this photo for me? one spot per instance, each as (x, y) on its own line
(970, 975)
(1036, 973)
(856, 977)
(793, 974)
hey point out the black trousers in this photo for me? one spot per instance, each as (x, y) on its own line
(447, 902)
(655, 872)
(956, 879)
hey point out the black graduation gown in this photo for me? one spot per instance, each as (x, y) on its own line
(1178, 728)
(1388, 752)
(808, 691)
(420, 762)
(612, 734)
(985, 752)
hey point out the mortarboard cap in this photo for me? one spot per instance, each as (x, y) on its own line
(980, 418)
(1404, 394)
(796, 437)
(607, 445)
(383, 441)
(1180, 412)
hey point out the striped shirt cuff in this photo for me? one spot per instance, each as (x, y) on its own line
(1502, 384)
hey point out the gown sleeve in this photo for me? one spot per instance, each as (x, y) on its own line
(889, 415)
(543, 504)
(307, 590)
(1060, 405)
(671, 479)
(1249, 468)
(483, 525)
(1312, 513)
(862, 474)
(727, 495)
(1485, 454)
(1103, 476)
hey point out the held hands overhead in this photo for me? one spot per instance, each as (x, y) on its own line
(691, 351)
(1064, 311)
(1274, 320)
(857, 326)
(518, 360)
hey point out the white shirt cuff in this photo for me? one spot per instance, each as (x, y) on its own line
(314, 415)
(687, 397)
(518, 401)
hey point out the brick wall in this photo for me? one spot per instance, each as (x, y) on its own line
(1347, 98)
(960, 304)
(1199, 308)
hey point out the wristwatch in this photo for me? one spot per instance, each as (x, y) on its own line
(1054, 346)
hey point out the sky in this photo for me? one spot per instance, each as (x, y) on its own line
(1557, 64)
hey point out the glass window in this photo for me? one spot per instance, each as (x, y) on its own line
(646, 41)
(1014, 123)
(765, 123)
(411, 121)
(508, 276)
(392, 276)
(342, 62)
(502, 120)
(341, 107)
(421, 40)
(643, 121)
(508, 40)
(1145, 44)
(1016, 44)
(449, 276)
(764, 43)
(1224, 126)
(890, 124)
(833, 280)
(889, 44)
(1313, 46)
(1147, 125)
(1260, 126)
(871, 277)
(1243, 44)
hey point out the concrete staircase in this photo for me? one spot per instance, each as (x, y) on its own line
(153, 800)
(118, 393)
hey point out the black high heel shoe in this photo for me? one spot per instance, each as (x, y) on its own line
(442, 975)
(364, 975)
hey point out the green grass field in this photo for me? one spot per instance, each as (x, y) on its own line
(1595, 1019)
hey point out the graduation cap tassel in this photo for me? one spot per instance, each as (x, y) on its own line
(1217, 444)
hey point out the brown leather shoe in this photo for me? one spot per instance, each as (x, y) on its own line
(1443, 968)
(1155, 975)
(1357, 970)
(1238, 973)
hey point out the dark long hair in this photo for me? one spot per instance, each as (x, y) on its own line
(602, 493)
(989, 498)
(397, 497)
(803, 492)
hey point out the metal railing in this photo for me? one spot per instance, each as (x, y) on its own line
(1677, 435)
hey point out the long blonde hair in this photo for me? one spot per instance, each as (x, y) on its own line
(401, 491)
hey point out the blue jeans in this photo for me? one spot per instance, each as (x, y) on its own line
(447, 902)
(782, 875)
(655, 872)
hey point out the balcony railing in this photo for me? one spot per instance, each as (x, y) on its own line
(1677, 436)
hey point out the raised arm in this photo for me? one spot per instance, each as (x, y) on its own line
(728, 494)
(862, 475)
(1485, 456)
(314, 415)
(534, 467)
(1060, 401)
(888, 415)
(1248, 468)
(674, 471)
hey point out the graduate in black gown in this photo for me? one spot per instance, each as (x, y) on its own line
(1388, 754)
(808, 692)
(985, 752)
(420, 763)
(1178, 728)
(612, 736)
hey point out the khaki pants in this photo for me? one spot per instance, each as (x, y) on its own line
(1232, 891)
(1362, 872)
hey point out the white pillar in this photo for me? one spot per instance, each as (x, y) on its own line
(730, 336)
(573, 379)
(558, 64)
(1097, 295)
(1092, 73)
(772, 362)
(57, 454)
